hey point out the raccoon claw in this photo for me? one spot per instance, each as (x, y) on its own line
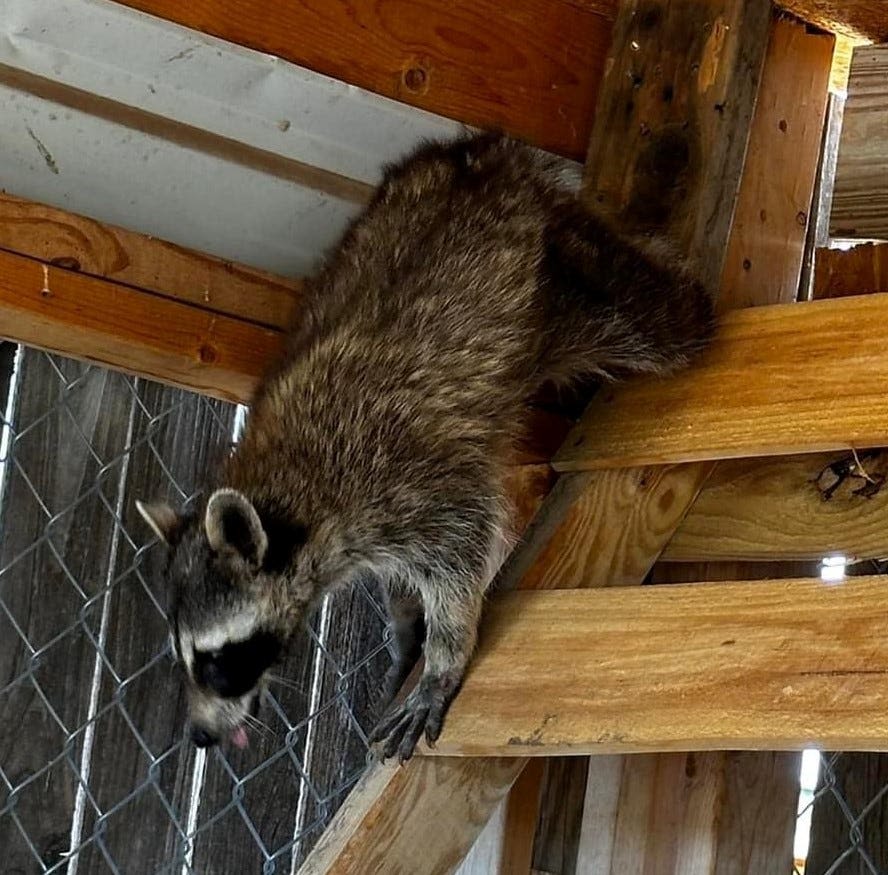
(421, 713)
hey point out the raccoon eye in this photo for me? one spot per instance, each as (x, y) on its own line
(237, 667)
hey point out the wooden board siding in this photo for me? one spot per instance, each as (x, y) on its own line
(860, 196)
(862, 270)
(167, 456)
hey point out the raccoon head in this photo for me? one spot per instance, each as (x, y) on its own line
(226, 631)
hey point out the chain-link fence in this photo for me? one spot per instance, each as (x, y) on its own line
(843, 815)
(95, 773)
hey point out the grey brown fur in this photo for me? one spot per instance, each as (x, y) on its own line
(378, 445)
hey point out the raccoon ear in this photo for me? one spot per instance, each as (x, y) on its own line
(231, 523)
(164, 521)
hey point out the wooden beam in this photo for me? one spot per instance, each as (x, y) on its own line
(456, 804)
(531, 67)
(789, 508)
(669, 145)
(778, 665)
(128, 329)
(767, 244)
(85, 246)
(859, 18)
(790, 378)
(860, 196)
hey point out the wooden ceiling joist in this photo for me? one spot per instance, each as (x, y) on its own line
(770, 665)
(530, 67)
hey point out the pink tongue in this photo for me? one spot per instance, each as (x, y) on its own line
(239, 737)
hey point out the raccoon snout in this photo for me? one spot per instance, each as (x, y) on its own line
(201, 738)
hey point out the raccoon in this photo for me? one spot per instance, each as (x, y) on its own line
(377, 446)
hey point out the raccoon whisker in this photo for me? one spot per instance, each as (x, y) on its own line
(259, 725)
(277, 679)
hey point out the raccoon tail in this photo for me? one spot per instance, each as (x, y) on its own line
(617, 305)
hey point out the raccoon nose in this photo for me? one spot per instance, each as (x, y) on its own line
(202, 738)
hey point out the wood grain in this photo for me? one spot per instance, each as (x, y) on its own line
(418, 820)
(83, 245)
(861, 18)
(773, 510)
(860, 195)
(862, 270)
(672, 127)
(613, 532)
(784, 379)
(522, 811)
(767, 243)
(777, 665)
(128, 329)
(531, 67)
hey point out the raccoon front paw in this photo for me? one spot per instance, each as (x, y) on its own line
(422, 712)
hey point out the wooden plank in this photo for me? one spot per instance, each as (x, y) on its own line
(668, 147)
(506, 845)
(612, 528)
(860, 198)
(531, 68)
(80, 244)
(764, 665)
(117, 326)
(767, 243)
(522, 811)
(387, 817)
(757, 818)
(784, 379)
(860, 18)
(777, 509)
(862, 270)
(556, 844)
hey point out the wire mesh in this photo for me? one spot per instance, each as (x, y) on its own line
(843, 815)
(95, 773)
